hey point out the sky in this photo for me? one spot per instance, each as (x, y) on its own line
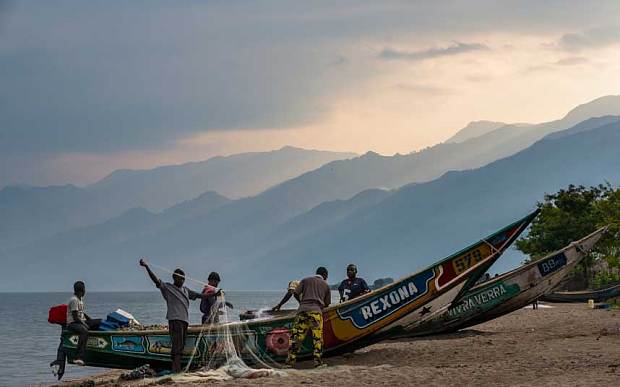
(92, 86)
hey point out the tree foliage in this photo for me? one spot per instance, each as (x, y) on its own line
(569, 215)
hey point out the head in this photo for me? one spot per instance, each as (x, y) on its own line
(322, 272)
(79, 289)
(178, 277)
(214, 279)
(351, 271)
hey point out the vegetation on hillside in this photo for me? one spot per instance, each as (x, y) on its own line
(572, 213)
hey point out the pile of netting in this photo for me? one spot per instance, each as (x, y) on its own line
(221, 359)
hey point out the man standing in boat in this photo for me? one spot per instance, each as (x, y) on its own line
(352, 286)
(177, 299)
(315, 295)
(209, 305)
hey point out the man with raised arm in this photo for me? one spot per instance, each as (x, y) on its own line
(315, 295)
(177, 299)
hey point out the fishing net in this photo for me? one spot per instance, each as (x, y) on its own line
(221, 359)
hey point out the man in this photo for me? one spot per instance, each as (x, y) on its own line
(315, 295)
(209, 305)
(78, 321)
(290, 292)
(352, 286)
(177, 299)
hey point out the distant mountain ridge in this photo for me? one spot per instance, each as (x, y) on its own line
(420, 223)
(319, 216)
(236, 176)
(388, 233)
(31, 213)
(475, 129)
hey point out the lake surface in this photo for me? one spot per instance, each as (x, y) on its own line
(28, 342)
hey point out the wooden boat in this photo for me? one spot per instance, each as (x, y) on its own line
(347, 326)
(598, 295)
(508, 292)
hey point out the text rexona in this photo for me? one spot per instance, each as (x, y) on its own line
(388, 301)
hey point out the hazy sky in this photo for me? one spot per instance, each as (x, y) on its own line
(91, 86)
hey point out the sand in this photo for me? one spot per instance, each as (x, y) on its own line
(567, 345)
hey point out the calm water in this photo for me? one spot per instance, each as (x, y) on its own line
(28, 342)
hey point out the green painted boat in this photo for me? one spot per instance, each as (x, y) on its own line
(598, 295)
(347, 326)
(508, 292)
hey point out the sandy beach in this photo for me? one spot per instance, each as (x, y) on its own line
(566, 344)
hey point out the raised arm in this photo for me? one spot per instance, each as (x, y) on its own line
(154, 278)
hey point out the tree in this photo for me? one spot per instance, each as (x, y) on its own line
(569, 215)
(608, 211)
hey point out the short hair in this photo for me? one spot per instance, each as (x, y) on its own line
(214, 276)
(179, 272)
(78, 285)
(321, 271)
(351, 266)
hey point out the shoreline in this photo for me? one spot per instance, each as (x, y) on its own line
(565, 344)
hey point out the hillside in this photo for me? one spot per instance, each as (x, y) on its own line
(421, 223)
(387, 235)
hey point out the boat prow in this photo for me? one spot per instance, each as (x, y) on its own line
(510, 291)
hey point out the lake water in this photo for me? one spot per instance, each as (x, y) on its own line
(28, 342)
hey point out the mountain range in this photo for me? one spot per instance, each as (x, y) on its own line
(31, 213)
(390, 215)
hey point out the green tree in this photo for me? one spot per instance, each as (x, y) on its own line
(608, 211)
(569, 215)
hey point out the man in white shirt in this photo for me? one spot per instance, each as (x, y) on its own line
(78, 321)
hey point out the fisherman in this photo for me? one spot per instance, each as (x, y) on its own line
(177, 299)
(78, 321)
(209, 305)
(352, 286)
(290, 292)
(315, 295)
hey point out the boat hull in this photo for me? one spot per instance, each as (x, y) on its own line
(509, 292)
(599, 295)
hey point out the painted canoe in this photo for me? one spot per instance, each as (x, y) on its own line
(346, 326)
(598, 295)
(510, 291)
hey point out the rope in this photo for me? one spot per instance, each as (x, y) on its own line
(172, 272)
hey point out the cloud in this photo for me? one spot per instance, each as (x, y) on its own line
(571, 61)
(454, 49)
(479, 78)
(146, 75)
(423, 89)
(340, 60)
(592, 38)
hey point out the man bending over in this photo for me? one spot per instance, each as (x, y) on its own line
(315, 295)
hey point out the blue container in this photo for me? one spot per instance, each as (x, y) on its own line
(108, 326)
(118, 319)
